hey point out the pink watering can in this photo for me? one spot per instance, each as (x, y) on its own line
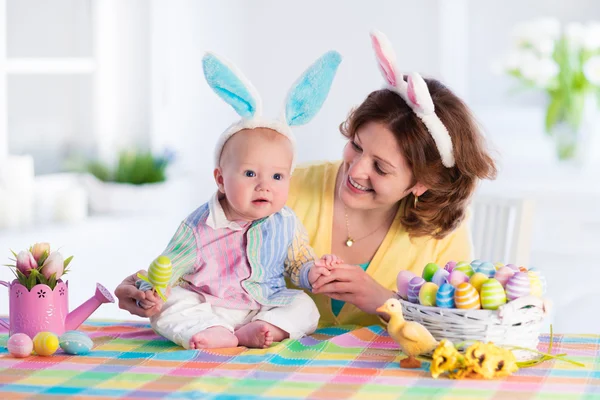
(43, 309)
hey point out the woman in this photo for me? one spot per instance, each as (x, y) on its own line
(397, 200)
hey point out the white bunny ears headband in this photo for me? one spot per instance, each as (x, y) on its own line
(415, 93)
(304, 99)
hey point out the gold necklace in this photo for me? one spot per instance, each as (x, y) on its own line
(350, 241)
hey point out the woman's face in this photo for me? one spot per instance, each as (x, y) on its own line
(374, 171)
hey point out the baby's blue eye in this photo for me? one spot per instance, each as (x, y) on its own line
(278, 177)
(250, 174)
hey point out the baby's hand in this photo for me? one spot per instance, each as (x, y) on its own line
(316, 271)
(330, 260)
(151, 299)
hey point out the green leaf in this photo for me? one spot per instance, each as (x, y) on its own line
(32, 279)
(52, 281)
(14, 254)
(553, 113)
(43, 258)
(67, 262)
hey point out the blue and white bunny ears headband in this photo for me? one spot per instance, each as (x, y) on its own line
(304, 99)
(415, 93)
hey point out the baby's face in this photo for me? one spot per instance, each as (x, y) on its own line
(254, 173)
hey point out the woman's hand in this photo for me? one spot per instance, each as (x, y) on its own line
(128, 294)
(351, 284)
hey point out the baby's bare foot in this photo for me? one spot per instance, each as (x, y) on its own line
(214, 337)
(260, 335)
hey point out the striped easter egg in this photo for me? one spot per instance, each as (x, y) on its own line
(476, 263)
(464, 267)
(503, 275)
(492, 294)
(518, 286)
(486, 268)
(440, 277)
(444, 297)
(402, 283)
(466, 297)
(414, 286)
(45, 343)
(450, 266)
(541, 277)
(160, 271)
(536, 284)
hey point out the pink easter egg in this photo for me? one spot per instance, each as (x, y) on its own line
(402, 283)
(450, 266)
(20, 345)
(503, 275)
(414, 286)
(513, 267)
(518, 286)
(457, 277)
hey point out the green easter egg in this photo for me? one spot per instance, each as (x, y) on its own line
(429, 270)
(427, 294)
(465, 267)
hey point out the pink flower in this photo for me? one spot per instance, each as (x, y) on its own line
(54, 264)
(26, 262)
(39, 249)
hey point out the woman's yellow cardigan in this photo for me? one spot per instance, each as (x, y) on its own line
(311, 197)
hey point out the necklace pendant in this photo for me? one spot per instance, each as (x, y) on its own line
(349, 242)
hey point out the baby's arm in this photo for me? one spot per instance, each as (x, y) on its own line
(182, 251)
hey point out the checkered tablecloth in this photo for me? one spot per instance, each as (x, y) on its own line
(130, 361)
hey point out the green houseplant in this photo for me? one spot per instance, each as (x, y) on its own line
(565, 64)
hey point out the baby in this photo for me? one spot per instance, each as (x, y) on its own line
(231, 256)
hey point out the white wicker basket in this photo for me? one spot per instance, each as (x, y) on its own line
(517, 323)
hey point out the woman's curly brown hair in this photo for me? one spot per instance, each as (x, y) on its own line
(443, 206)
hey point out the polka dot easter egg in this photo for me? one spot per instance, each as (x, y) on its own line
(414, 286)
(75, 342)
(492, 295)
(464, 267)
(19, 345)
(427, 294)
(402, 283)
(486, 268)
(466, 297)
(457, 277)
(503, 275)
(477, 280)
(518, 286)
(450, 266)
(440, 277)
(45, 343)
(444, 297)
(429, 270)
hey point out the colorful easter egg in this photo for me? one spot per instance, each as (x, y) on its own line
(498, 265)
(536, 284)
(75, 342)
(45, 343)
(518, 286)
(450, 266)
(503, 275)
(541, 277)
(402, 283)
(414, 286)
(492, 294)
(427, 294)
(513, 267)
(444, 297)
(466, 297)
(429, 270)
(486, 268)
(477, 280)
(440, 277)
(465, 267)
(19, 345)
(476, 263)
(457, 277)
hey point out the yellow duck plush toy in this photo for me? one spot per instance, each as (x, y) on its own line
(414, 339)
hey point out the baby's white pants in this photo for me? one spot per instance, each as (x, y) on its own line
(186, 313)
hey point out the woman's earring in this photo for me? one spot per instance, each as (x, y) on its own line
(416, 200)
